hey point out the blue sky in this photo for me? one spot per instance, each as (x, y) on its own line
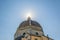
(13, 12)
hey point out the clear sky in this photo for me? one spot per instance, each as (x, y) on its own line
(46, 12)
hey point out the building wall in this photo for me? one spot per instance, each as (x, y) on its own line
(24, 39)
(44, 38)
(37, 38)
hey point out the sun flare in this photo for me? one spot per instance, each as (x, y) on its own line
(29, 15)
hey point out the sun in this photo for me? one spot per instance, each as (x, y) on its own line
(29, 15)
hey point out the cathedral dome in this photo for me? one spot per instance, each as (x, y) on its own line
(29, 22)
(26, 23)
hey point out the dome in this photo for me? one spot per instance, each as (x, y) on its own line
(26, 23)
(29, 22)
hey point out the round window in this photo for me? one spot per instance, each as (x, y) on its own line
(36, 33)
(24, 33)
